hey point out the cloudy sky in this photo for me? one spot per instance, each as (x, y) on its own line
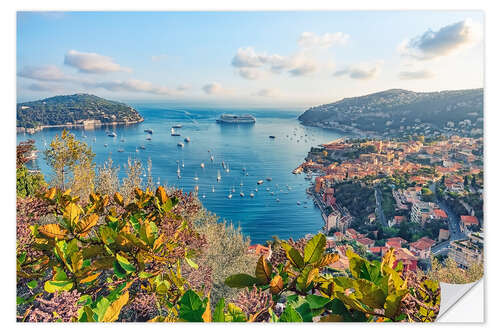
(246, 58)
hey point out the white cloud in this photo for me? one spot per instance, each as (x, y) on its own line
(416, 75)
(362, 71)
(268, 93)
(132, 85)
(43, 73)
(252, 65)
(250, 73)
(92, 63)
(445, 41)
(213, 88)
(311, 40)
(303, 68)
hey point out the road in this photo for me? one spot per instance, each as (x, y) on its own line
(453, 225)
(379, 211)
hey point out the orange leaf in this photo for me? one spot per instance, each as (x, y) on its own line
(276, 284)
(53, 230)
(87, 223)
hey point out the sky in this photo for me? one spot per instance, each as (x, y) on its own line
(263, 59)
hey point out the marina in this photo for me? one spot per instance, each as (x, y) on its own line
(220, 162)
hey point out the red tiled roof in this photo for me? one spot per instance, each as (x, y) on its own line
(467, 220)
(423, 243)
(393, 243)
(401, 240)
(366, 241)
(440, 213)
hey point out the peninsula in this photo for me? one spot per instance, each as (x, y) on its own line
(78, 110)
(398, 112)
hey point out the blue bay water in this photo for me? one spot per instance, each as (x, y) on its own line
(240, 146)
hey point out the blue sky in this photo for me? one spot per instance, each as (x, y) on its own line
(246, 58)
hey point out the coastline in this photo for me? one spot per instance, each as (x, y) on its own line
(86, 124)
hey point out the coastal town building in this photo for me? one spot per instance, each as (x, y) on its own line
(467, 251)
(468, 223)
(422, 247)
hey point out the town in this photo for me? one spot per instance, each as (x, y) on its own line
(423, 197)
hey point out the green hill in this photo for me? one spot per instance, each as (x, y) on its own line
(398, 112)
(74, 110)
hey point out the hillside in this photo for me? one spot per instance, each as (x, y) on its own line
(399, 112)
(74, 110)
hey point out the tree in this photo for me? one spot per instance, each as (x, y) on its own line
(27, 183)
(68, 156)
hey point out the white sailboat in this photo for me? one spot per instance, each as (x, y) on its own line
(218, 176)
(202, 165)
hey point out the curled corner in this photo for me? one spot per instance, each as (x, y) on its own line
(451, 294)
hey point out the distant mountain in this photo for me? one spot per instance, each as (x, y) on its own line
(78, 109)
(400, 112)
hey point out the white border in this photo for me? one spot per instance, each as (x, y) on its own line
(8, 91)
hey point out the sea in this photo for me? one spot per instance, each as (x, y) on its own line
(279, 207)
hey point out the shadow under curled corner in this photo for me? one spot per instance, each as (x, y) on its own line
(451, 297)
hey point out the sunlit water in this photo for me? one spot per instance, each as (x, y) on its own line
(274, 209)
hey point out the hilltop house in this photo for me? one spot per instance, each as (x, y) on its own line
(467, 223)
(422, 247)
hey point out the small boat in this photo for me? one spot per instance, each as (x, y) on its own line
(269, 179)
(180, 144)
(112, 134)
(233, 190)
(120, 150)
(242, 194)
(259, 182)
(267, 188)
(150, 131)
(148, 138)
(272, 193)
(212, 158)
(196, 178)
(136, 150)
(298, 203)
(223, 165)
(172, 133)
(229, 196)
(187, 139)
(272, 137)
(252, 194)
(177, 126)
(122, 140)
(202, 165)
(277, 199)
(182, 163)
(142, 147)
(227, 167)
(203, 196)
(256, 190)
(218, 176)
(244, 169)
(105, 145)
(213, 189)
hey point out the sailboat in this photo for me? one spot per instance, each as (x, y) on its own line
(212, 158)
(218, 176)
(202, 165)
(196, 177)
(227, 169)
(230, 195)
(213, 189)
(234, 190)
(252, 194)
(178, 171)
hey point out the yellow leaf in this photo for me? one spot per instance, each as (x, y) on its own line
(161, 194)
(328, 259)
(51, 193)
(52, 230)
(312, 275)
(263, 271)
(85, 224)
(207, 315)
(276, 284)
(72, 213)
(158, 242)
(114, 309)
(118, 198)
(90, 278)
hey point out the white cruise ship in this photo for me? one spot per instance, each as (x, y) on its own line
(235, 119)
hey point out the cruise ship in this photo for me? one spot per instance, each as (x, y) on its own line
(235, 119)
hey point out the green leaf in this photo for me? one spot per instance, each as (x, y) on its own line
(32, 284)
(53, 286)
(125, 264)
(218, 315)
(369, 293)
(191, 307)
(290, 315)
(235, 314)
(393, 303)
(317, 302)
(20, 300)
(302, 279)
(293, 255)
(240, 281)
(145, 275)
(305, 312)
(118, 270)
(314, 248)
